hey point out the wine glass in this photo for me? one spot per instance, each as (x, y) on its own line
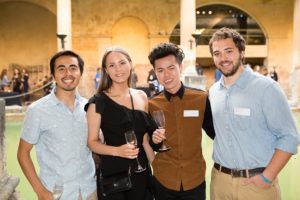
(160, 121)
(131, 139)
(57, 190)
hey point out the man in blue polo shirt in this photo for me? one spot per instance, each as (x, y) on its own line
(255, 131)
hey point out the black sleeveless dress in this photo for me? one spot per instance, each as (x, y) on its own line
(116, 119)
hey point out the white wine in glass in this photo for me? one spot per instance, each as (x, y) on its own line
(159, 118)
(131, 139)
(57, 190)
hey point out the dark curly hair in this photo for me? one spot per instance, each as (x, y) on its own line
(166, 49)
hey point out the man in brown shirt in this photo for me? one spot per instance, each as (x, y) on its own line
(180, 172)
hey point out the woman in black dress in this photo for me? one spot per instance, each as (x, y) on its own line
(115, 109)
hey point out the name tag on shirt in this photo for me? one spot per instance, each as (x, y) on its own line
(242, 111)
(191, 113)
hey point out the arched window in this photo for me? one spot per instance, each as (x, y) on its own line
(212, 17)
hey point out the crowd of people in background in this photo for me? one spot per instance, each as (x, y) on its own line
(266, 72)
(21, 84)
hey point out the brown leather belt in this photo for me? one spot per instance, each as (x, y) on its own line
(246, 173)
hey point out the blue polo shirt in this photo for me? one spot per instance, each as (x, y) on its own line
(251, 119)
(60, 137)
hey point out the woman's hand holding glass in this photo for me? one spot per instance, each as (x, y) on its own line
(127, 151)
(131, 139)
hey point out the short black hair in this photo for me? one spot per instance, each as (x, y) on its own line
(166, 49)
(65, 53)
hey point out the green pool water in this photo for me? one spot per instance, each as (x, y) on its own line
(289, 177)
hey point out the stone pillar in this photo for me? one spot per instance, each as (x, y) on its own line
(296, 33)
(189, 75)
(295, 74)
(187, 28)
(7, 183)
(64, 23)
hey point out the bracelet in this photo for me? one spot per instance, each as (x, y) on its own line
(265, 179)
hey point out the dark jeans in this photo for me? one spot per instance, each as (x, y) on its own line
(163, 193)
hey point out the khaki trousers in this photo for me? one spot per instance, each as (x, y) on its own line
(225, 187)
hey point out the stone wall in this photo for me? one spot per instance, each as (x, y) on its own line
(28, 30)
(7, 183)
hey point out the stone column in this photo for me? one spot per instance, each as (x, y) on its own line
(64, 23)
(187, 28)
(7, 183)
(296, 33)
(295, 74)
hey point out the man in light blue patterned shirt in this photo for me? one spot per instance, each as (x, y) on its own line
(255, 131)
(56, 125)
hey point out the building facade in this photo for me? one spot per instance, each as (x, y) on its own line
(29, 28)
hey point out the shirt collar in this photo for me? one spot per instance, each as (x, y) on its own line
(179, 93)
(242, 81)
(56, 101)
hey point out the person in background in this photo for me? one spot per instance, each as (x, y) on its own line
(179, 173)
(4, 81)
(255, 131)
(200, 70)
(218, 74)
(25, 83)
(154, 85)
(264, 71)
(56, 126)
(17, 81)
(97, 78)
(256, 68)
(134, 79)
(115, 109)
(273, 74)
(47, 84)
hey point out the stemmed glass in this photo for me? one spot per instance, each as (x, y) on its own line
(57, 190)
(131, 139)
(160, 121)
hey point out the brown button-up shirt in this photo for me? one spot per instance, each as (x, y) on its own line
(186, 113)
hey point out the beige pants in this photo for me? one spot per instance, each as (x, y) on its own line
(93, 196)
(225, 187)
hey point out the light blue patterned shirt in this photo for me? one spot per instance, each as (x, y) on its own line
(251, 119)
(60, 137)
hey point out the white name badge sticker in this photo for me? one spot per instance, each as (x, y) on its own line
(242, 111)
(191, 113)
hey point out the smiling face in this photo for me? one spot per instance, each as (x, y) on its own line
(167, 71)
(118, 67)
(66, 73)
(227, 57)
